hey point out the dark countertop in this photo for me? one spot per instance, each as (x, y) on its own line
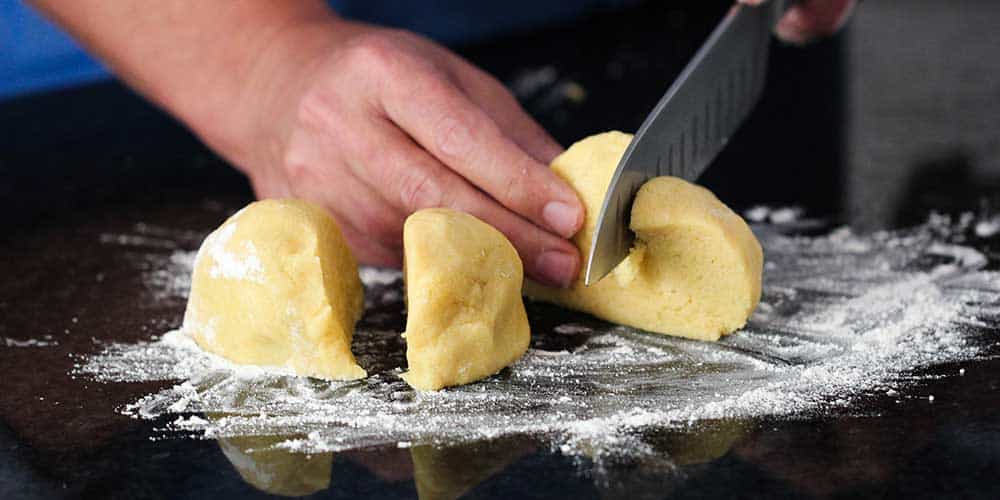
(80, 164)
(64, 436)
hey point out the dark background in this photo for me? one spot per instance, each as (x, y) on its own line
(923, 97)
(876, 126)
(102, 143)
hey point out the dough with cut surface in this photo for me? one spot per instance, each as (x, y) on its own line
(276, 285)
(466, 318)
(695, 270)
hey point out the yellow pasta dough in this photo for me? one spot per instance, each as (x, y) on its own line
(466, 317)
(695, 270)
(276, 285)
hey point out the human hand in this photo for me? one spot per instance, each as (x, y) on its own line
(811, 19)
(374, 124)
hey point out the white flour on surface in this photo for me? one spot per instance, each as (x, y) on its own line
(46, 341)
(988, 227)
(843, 318)
(170, 278)
(378, 276)
(779, 215)
(167, 277)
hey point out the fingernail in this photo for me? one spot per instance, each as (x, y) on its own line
(557, 268)
(561, 217)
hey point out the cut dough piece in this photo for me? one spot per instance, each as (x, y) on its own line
(466, 318)
(276, 285)
(695, 270)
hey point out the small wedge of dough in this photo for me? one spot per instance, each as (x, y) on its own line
(276, 285)
(466, 318)
(695, 270)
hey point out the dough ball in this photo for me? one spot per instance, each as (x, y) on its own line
(695, 270)
(465, 319)
(276, 285)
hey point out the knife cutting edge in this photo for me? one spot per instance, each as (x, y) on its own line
(690, 124)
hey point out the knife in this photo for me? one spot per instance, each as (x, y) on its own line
(690, 124)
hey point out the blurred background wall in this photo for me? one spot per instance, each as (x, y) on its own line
(923, 108)
(895, 116)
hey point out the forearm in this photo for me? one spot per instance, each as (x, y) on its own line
(200, 60)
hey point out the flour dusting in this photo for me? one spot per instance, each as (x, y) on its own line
(988, 227)
(46, 341)
(844, 318)
(241, 263)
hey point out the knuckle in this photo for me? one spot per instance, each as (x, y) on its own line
(314, 107)
(420, 189)
(378, 51)
(515, 185)
(518, 186)
(452, 136)
(296, 167)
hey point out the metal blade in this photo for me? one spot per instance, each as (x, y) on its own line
(690, 125)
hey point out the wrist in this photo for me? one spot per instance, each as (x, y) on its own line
(237, 109)
(281, 75)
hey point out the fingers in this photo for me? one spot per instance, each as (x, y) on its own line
(490, 95)
(368, 250)
(384, 131)
(413, 179)
(299, 179)
(442, 119)
(373, 227)
(812, 19)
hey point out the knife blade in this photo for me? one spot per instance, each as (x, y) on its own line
(690, 124)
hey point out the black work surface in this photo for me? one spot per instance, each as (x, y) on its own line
(80, 164)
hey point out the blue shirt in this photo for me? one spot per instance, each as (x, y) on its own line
(36, 55)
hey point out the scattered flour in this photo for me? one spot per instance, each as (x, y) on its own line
(988, 227)
(779, 215)
(844, 317)
(785, 215)
(170, 278)
(379, 276)
(572, 329)
(46, 341)
(757, 214)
